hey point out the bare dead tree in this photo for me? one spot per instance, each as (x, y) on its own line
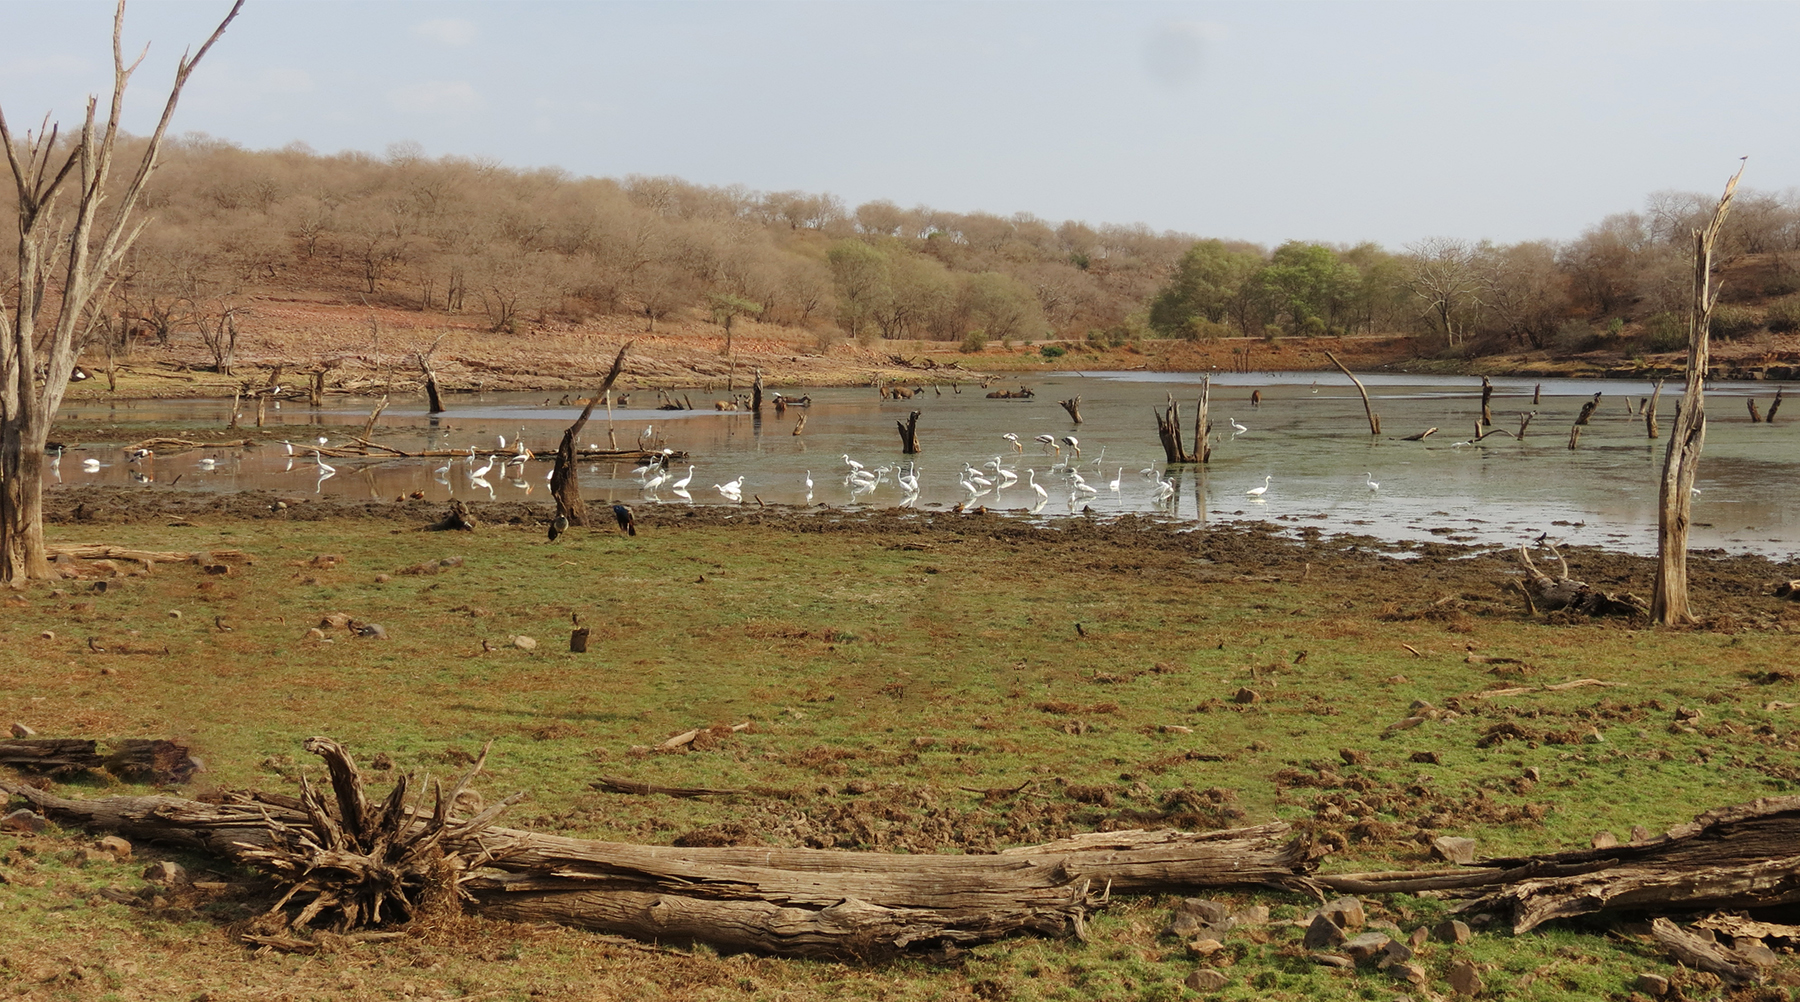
(565, 486)
(68, 258)
(1669, 605)
(1374, 418)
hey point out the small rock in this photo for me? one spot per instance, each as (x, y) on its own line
(1205, 947)
(315, 634)
(1654, 985)
(1687, 715)
(1253, 915)
(1428, 757)
(1363, 948)
(1206, 980)
(1323, 933)
(1418, 937)
(117, 847)
(1754, 951)
(1460, 851)
(383, 578)
(22, 821)
(1397, 952)
(857, 786)
(1641, 834)
(1332, 960)
(1346, 911)
(47, 635)
(166, 872)
(88, 857)
(334, 621)
(1604, 840)
(1464, 979)
(524, 643)
(1353, 757)
(1174, 729)
(1411, 974)
(1245, 696)
(1593, 736)
(1532, 774)
(109, 671)
(1451, 931)
(174, 613)
(21, 731)
(1205, 909)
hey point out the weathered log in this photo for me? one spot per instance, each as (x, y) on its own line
(1548, 594)
(1755, 414)
(1702, 953)
(909, 434)
(50, 754)
(1073, 406)
(614, 784)
(460, 518)
(1745, 856)
(1421, 436)
(104, 551)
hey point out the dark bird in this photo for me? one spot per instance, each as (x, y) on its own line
(627, 524)
(558, 526)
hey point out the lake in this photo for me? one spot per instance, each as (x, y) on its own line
(1308, 442)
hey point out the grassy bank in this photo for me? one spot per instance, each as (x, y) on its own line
(891, 670)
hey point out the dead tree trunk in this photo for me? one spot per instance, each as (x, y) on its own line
(1524, 422)
(1536, 392)
(1374, 419)
(565, 484)
(431, 383)
(1587, 410)
(1681, 461)
(1755, 413)
(316, 396)
(1073, 406)
(1168, 429)
(909, 434)
(1774, 405)
(1651, 428)
(1487, 395)
(1203, 422)
(756, 394)
(369, 426)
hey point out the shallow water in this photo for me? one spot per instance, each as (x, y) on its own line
(1309, 437)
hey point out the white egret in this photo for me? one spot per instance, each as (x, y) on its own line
(208, 463)
(853, 464)
(734, 486)
(1115, 480)
(290, 446)
(323, 441)
(324, 468)
(1257, 492)
(1235, 427)
(483, 471)
(1370, 479)
(681, 485)
(90, 464)
(809, 483)
(56, 460)
(1165, 489)
(1031, 478)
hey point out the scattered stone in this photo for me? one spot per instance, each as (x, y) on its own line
(1205, 909)
(1206, 980)
(383, 578)
(1531, 773)
(88, 857)
(1322, 933)
(1754, 951)
(1687, 715)
(1246, 696)
(1654, 985)
(315, 634)
(524, 643)
(1604, 840)
(1353, 757)
(1411, 974)
(1418, 937)
(115, 846)
(1253, 915)
(1346, 911)
(1363, 948)
(22, 821)
(1397, 952)
(1460, 851)
(1464, 979)
(1593, 736)
(47, 635)
(1332, 960)
(21, 731)
(1641, 834)
(1205, 947)
(334, 621)
(174, 613)
(1451, 931)
(166, 872)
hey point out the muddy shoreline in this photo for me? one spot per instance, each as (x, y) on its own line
(1448, 582)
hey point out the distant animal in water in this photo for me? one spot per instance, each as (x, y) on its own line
(627, 524)
(558, 526)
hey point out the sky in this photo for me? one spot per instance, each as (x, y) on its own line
(1270, 121)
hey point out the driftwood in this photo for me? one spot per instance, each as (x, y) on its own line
(51, 755)
(1547, 594)
(1421, 436)
(1524, 422)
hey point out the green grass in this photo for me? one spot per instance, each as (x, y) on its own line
(885, 675)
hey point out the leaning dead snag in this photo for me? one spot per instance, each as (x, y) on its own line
(1547, 594)
(1774, 405)
(1374, 419)
(565, 483)
(909, 434)
(1073, 406)
(1587, 410)
(1681, 461)
(1651, 428)
(1487, 395)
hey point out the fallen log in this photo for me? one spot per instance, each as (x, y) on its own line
(52, 755)
(1548, 594)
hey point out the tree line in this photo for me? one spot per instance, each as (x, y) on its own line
(533, 246)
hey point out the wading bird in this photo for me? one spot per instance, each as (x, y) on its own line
(1370, 478)
(1237, 429)
(1257, 492)
(1074, 445)
(1014, 439)
(324, 468)
(1031, 479)
(681, 485)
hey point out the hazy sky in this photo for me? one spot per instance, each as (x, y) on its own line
(1263, 121)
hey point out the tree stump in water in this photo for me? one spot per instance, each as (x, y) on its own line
(1073, 406)
(1587, 410)
(909, 434)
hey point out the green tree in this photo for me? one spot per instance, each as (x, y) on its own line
(1206, 283)
(860, 274)
(726, 308)
(1307, 286)
(1001, 305)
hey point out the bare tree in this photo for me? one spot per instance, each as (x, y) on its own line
(68, 256)
(1681, 461)
(1444, 281)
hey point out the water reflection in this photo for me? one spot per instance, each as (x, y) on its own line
(1305, 439)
